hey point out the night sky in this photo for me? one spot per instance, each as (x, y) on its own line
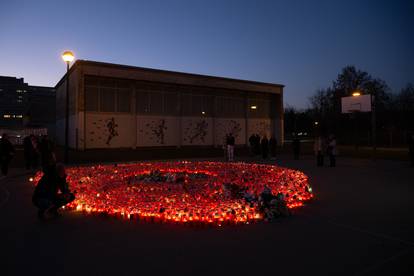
(301, 44)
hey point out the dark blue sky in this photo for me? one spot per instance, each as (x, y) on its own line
(302, 44)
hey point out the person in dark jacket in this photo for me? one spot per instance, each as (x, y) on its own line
(35, 151)
(27, 151)
(296, 147)
(411, 149)
(47, 154)
(6, 153)
(52, 191)
(273, 146)
(331, 150)
(265, 147)
(318, 148)
(252, 143)
(257, 144)
(230, 141)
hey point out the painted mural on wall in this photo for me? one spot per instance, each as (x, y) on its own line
(104, 130)
(196, 132)
(111, 127)
(155, 130)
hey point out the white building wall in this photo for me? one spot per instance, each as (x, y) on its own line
(114, 130)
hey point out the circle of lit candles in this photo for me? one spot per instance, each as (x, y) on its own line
(151, 191)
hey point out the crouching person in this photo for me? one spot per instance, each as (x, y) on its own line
(272, 206)
(279, 207)
(52, 192)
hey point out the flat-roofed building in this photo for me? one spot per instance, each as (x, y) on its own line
(119, 106)
(26, 106)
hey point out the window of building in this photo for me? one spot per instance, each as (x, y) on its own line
(107, 82)
(258, 108)
(124, 100)
(91, 81)
(143, 103)
(196, 105)
(91, 98)
(230, 107)
(186, 104)
(208, 106)
(156, 102)
(170, 103)
(107, 99)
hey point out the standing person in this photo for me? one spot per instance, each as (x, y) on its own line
(265, 147)
(273, 146)
(296, 147)
(257, 144)
(224, 147)
(6, 153)
(230, 141)
(411, 149)
(35, 151)
(47, 154)
(332, 151)
(27, 150)
(318, 149)
(252, 140)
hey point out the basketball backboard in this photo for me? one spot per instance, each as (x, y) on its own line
(352, 104)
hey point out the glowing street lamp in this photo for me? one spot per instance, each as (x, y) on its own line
(67, 57)
(356, 94)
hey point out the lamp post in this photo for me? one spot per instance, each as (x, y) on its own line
(374, 126)
(373, 122)
(68, 57)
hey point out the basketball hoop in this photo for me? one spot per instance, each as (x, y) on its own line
(361, 103)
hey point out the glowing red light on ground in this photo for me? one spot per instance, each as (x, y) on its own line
(184, 192)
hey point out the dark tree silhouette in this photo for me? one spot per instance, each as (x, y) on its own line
(394, 110)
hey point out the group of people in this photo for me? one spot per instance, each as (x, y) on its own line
(325, 146)
(263, 146)
(52, 191)
(258, 146)
(34, 147)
